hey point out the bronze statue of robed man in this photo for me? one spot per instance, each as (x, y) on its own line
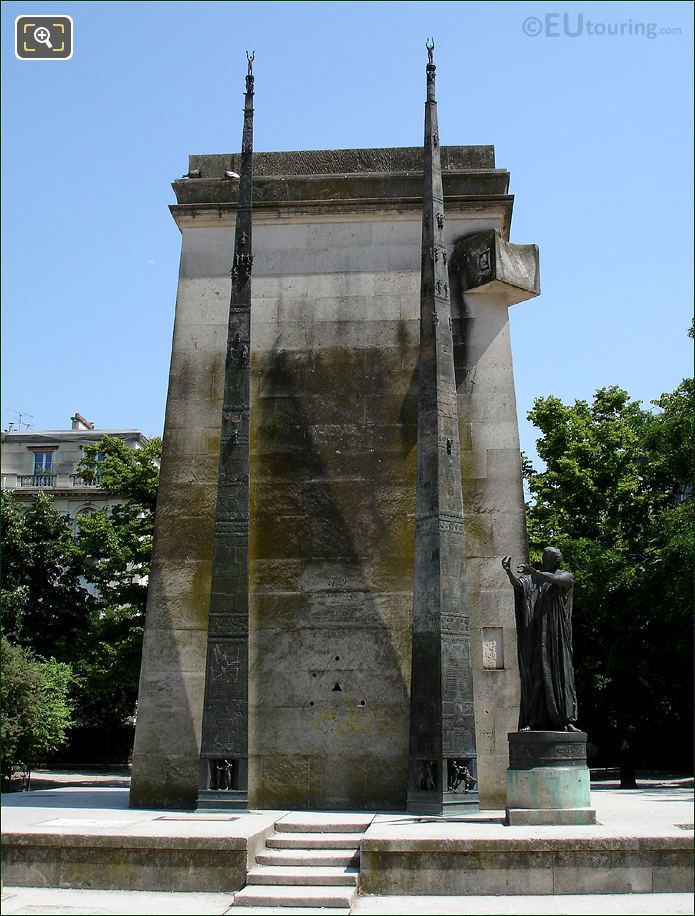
(543, 606)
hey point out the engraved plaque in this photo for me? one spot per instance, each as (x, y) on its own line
(226, 668)
(456, 674)
(224, 732)
(493, 648)
(455, 625)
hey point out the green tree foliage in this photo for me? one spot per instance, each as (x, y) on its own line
(128, 473)
(82, 599)
(615, 497)
(35, 707)
(116, 546)
(43, 600)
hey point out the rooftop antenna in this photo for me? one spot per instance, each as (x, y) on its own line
(20, 420)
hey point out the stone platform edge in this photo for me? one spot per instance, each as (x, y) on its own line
(390, 865)
(529, 865)
(132, 861)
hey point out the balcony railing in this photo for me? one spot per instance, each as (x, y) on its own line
(77, 481)
(49, 482)
(40, 481)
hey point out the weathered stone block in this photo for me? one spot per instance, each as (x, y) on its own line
(160, 778)
(126, 862)
(674, 878)
(180, 536)
(175, 650)
(601, 875)
(284, 781)
(478, 535)
(185, 443)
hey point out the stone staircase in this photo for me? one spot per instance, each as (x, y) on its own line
(311, 862)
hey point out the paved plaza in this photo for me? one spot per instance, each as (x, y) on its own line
(658, 807)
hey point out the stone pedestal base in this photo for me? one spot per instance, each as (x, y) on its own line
(548, 779)
(440, 804)
(222, 801)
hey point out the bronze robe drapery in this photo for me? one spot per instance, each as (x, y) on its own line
(544, 640)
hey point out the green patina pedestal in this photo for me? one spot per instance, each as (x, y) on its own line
(548, 779)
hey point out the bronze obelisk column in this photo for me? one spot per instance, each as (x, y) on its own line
(224, 745)
(443, 763)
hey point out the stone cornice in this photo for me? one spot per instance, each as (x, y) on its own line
(340, 184)
(210, 215)
(328, 188)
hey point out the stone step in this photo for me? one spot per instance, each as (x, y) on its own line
(298, 874)
(289, 911)
(296, 895)
(308, 858)
(320, 822)
(314, 841)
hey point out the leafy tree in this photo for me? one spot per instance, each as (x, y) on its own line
(125, 472)
(43, 599)
(47, 606)
(35, 708)
(615, 497)
(116, 545)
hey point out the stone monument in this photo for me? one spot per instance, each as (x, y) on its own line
(547, 779)
(333, 426)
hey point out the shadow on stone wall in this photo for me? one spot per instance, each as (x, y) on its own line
(332, 508)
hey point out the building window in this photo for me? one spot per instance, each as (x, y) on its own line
(43, 462)
(96, 480)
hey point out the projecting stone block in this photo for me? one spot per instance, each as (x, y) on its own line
(489, 264)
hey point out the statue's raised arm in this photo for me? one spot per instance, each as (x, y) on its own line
(507, 567)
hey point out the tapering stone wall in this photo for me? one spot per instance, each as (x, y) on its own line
(335, 340)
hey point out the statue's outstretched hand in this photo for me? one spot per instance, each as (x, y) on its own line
(507, 564)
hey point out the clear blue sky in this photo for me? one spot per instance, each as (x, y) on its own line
(595, 130)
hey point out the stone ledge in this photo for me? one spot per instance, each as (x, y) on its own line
(146, 866)
(121, 841)
(135, 861)
(532, 865)
(335, 188)
(534, 843)
(339, 161)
